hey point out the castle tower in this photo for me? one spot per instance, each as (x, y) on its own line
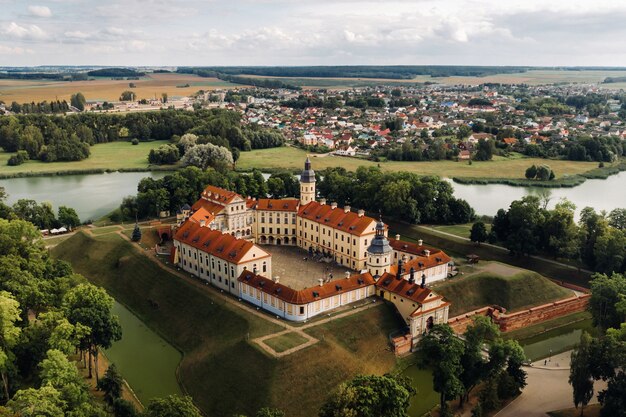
(379, 252)
(307, 184)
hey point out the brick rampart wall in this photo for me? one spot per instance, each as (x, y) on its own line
(514, 321)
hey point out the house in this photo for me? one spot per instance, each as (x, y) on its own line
(475, 137)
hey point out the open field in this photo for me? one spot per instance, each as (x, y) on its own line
(221, 369)
(532, 77)
(111, 156)
(461, 230)
(292, 158)
(517, 292)
(106, 89)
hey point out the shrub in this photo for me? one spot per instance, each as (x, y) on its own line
(18, 159)
(135, 141)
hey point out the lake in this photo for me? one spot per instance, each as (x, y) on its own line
(146, 361)
(605, 194)
(92, 196)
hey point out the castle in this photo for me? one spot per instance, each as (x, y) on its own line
(221, 237)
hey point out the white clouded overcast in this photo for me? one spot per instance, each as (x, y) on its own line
(313, 32)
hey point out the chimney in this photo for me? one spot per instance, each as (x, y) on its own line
(361, 213)
(277, 279)
(397, 237)
(412, 276)
(400, 268)
(202, 223)
(321, 281)
(322, 201)
(346, 209)
(426, 253)
(333, 205)
(420, 242)
(423, 281)
(347, 273)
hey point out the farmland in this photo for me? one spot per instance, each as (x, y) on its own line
(532, 77)
(106, 89)
(291, 158)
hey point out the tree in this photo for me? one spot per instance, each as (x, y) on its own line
(61, 374)
(478, 234)
(606, 303)
(531, 172)
(172, 406)
(484, 151)
(610, 251)
(369, 396)
(43, 402)
(617, 219)
(270, 412)
(68, 217)
(91, 306)
(124, 408)
(78, 100)
(580, 377)
(164, 98)
(208, 155)
(127, 96)
(136, 236)
(111, 384)
(444, 350)
(9, 334)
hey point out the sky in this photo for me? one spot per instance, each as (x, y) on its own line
(312, 32)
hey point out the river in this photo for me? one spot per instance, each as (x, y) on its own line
(92, 196)
(146, 361)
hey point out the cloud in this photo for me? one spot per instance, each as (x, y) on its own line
(16, 31)
(14, 50)
(40, 11)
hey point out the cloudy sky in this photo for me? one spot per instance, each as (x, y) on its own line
(312, 32)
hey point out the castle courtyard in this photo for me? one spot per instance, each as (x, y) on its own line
(297, 269)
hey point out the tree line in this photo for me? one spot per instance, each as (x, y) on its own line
(41, 215)
(528, 228)
(68, 138)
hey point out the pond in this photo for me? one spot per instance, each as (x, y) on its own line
(92, 196)
(487, 199)
(556, 340)
(145, 360)
(425, 398)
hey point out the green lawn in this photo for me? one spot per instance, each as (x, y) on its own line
(104, 230)
(285, 342)
(514, 167)
(111, 156)
(224, 372)
(461, 230)
(517, 292)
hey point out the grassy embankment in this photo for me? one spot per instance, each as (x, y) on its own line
(224, 372)
(517, 292)
(512, 168)
(460, 247)
(105, 157)
(539, 328)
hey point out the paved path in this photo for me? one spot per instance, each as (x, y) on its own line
(547, 389)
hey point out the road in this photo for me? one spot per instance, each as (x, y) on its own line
(547, 389)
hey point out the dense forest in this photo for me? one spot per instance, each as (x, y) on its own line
(115, 72)
(68, 138)
(364, 71)
(256, 82)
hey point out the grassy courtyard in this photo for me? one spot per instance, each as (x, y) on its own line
(111, 156)
(285, 341)
(221, 369)
(292, 159)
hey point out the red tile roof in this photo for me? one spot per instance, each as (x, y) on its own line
(209, 206)
(214, 242)
(287, 204)
(405, 289)
(337, 218)
(219, 194)
(413, 248)
(307, 295)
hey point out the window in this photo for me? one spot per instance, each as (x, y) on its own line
(262, 229)
(301, 310)
(365, 242)
(286, 231)
(277, 220)
(264, 267)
